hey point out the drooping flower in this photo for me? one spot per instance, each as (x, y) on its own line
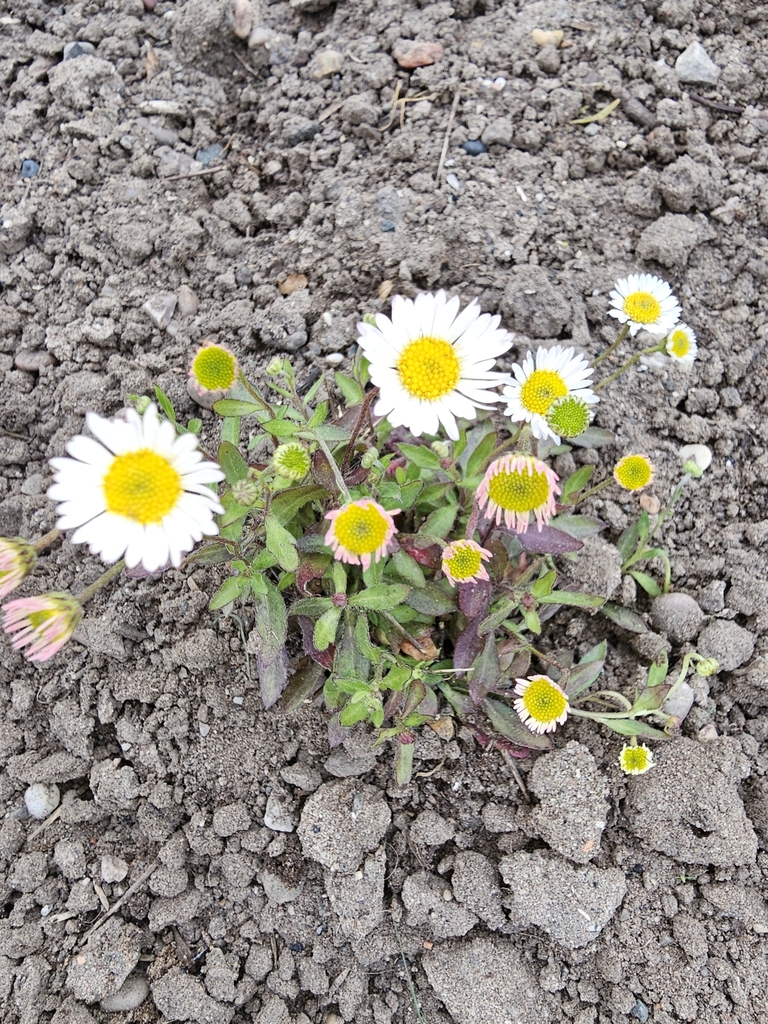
(42, 624)
(633, 472)
(214, 368)
(556, 373)
(541, 704)
(17, 560)
(463, 562)
(360, 531)
(515, 486)
(291, 460)
(138, 490)
(636, 759)
(569, 416)
(644, 302)
(681, 344)
(432, 364)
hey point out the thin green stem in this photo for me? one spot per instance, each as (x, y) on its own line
(630, 362)
(611, 348)
(593, 490)
(110, 574)
(46, 540)
(610, 694)
(334, 466)
(256, 395)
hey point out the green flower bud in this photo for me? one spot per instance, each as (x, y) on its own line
(707, 667)
(369, 318)
(693, 469)
(142, 403)
(245, 492)
(368, 458)
(441, 449)
(275, 366)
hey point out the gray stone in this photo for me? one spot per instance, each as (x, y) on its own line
(301, 776)
(694, 66)
(429, 901)
(688, 808)
(33, 360)
(101, 967)
(475, 883)
(485, 981)
(42, 799)
(677, 616)
(358, 899)
(179, 996)
(188, 302)
(279, 890)
(129, 996)
(341, 822)
(573, 801)
(114, 789)
(278, 814)
(532, 303)
(113, 869)
(730, 643)
(572, 905)
(360, 109)
(670, 240)
(430, 829)
(687, 183)
(499, 132)
(159, 308)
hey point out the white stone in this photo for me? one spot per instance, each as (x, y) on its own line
(278, 815)
(133, 993)
(42, 799)
(695, 67)
(113, 869)
(159, 308)
(698, 453)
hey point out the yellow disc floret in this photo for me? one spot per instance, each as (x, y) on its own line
(519, 491)
(464, 563)
(633, 472)
(679, 344)
(543, 701)
(642, 307)
(361, 530)
(541, 389)
(429, 368)
(214, 368)
(142, 486)
(635, 760)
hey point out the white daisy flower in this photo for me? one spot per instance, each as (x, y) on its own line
(431, 364)
(645, 302)
(681, 344)
(138, 490)
(557, 372)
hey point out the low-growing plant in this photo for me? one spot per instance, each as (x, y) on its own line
(395, 542)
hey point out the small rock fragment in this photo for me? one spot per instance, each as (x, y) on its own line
(429, 901)
(33, 360)
(188, 304)
(293, 283)
(278, 815)
(341, 822)
(730, 643)
(101, 967)
(677, 616)
(160, 308)
(132, 994)
(694, 66)
(42, 799)
(680, 702)
(474, 147)
(260, 36)
(208, 155)
(328, 62)
(72, 50)
(29, 169)
(242, 18)
(547, 38)
(113, 869)
(410, 54)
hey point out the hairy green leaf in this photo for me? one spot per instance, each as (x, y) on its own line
(229, 591)
(430, 600)
(281, 544)
(325, 628)
(232, 463)
(624, 617)
(286, 504)
(235, 407)
(381, 597)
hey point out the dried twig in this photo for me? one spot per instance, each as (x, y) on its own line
(447, 138)
(115, 907)
(196, 174)
(516, 774)
(723, 108)
(245, 64)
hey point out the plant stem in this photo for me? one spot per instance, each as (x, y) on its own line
(630, 362)
(334, 466)
(612, 694)
(593, 490)
(525, 440)
(110, 574)
(256, 395)
(611, 348)
(45, 541)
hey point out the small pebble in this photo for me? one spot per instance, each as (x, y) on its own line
(454, 182)
(133, 993)
(242, 18)
(113, 869)
(640, 1010)
(592, 129)
(160, 308)
(334, 358)
(680, 703)
(33, 360)
(188, 304)
(260, 36)
(29, 169)
(542, 38)
(699, 454)
(328, 62)
(237, 700)
(78, 49)
(677, 616)
(42, 799)
(409, 54)
(204, 729)
(474, 147)
(387, 225)
(208, 155)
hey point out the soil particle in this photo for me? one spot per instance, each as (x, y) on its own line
(670, 240)
(730, 643)
(429, 901)
(532, 304)
(101, 967)
(358, 900)
(340, 822)
(179, 996)
(677, 616)
(475, 883)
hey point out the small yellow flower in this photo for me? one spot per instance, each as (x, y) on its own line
(635, 759)
(645, 301)
(541, 704)
(360, 531)
(569, 416)
(681, 344)
(633, 472)
(214, 368)
(463, 562)
(515, 486)
(291, 461)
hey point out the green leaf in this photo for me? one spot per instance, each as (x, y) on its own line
(235, 407)
(194, 426)
(573, 598)
(409, 493)
(506, 721)
(633, 727)
(234, 513)
(320, 415)
(338, 577)
(532, 620)
(229, 591)
(543, 586)
(431, 600)
(281, 428)
(460, 445)
(396, 678)
(434, 493)
(404, 763)
(351, 714)
(477, 461)
(263, 560)
(381, 597)
(353, 393)
(271, 622)
(502, 612)
(486, 672)
(576, 482)
(165, 403)
(327, 432)
(230, 430)
(627, 542)
(286, 504)
(232, 463)
(408, 568)
(596, 653)
(209, 554)
(349, 662)
(282, 545)
(439, 522)
(649, 585)
(420, 455)
(460, 702)
(657, 673)
(593, 437)
(624, 617)
(582, 677)
(325, 628)
(311, 606)
(578, 526)
(304, 683)
(363, 640)
(374, 574)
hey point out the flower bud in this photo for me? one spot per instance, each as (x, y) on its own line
(275, 366)
(245, 492)
(693, 469)
(142, 403)
(441, 449)
(339, 600)
(368, 458)
(707, 667)
(369, 318)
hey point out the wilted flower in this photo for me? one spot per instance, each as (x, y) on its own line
(633, 472)
(515, 486)
(17, 560)
(463, 562)
(360, 531)
(542, 705)
(42, 624)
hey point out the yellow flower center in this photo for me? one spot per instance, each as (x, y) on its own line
(464, 563)
(633, 472)
(642, 307)
(634, 759)
(361, 530)
(541, 389)
(38, 619)
(679, 344)
(429, 368)
(569, 416)
(543, 701)
(520, 491)
(142, 486)
(214, 368)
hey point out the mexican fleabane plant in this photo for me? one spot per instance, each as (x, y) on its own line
(393, 534)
